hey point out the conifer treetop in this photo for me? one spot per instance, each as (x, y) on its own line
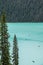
(3, 17)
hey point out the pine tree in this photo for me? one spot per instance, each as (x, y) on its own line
(0, 40)
(5, 57)
(15, 51)
(0, 37)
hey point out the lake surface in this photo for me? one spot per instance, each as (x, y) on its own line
(30, 42)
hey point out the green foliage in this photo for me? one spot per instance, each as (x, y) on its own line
(23, 10)
(5, 57)
(15, 51)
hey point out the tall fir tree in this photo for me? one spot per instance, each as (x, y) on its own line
(15, 51)
(0, 42)
(5, 57)
(0, 37)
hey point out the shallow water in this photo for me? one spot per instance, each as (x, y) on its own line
(30, 42)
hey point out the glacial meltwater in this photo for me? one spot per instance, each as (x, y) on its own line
(30, 42)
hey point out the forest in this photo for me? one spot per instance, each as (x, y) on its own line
(22, 10)
(5, 57)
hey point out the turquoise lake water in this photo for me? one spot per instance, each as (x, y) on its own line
(30, 42)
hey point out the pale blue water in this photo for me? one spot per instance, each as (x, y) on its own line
(30, 42)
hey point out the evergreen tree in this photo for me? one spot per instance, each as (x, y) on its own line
(0, 36)
(15, 51)
(5, 57)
